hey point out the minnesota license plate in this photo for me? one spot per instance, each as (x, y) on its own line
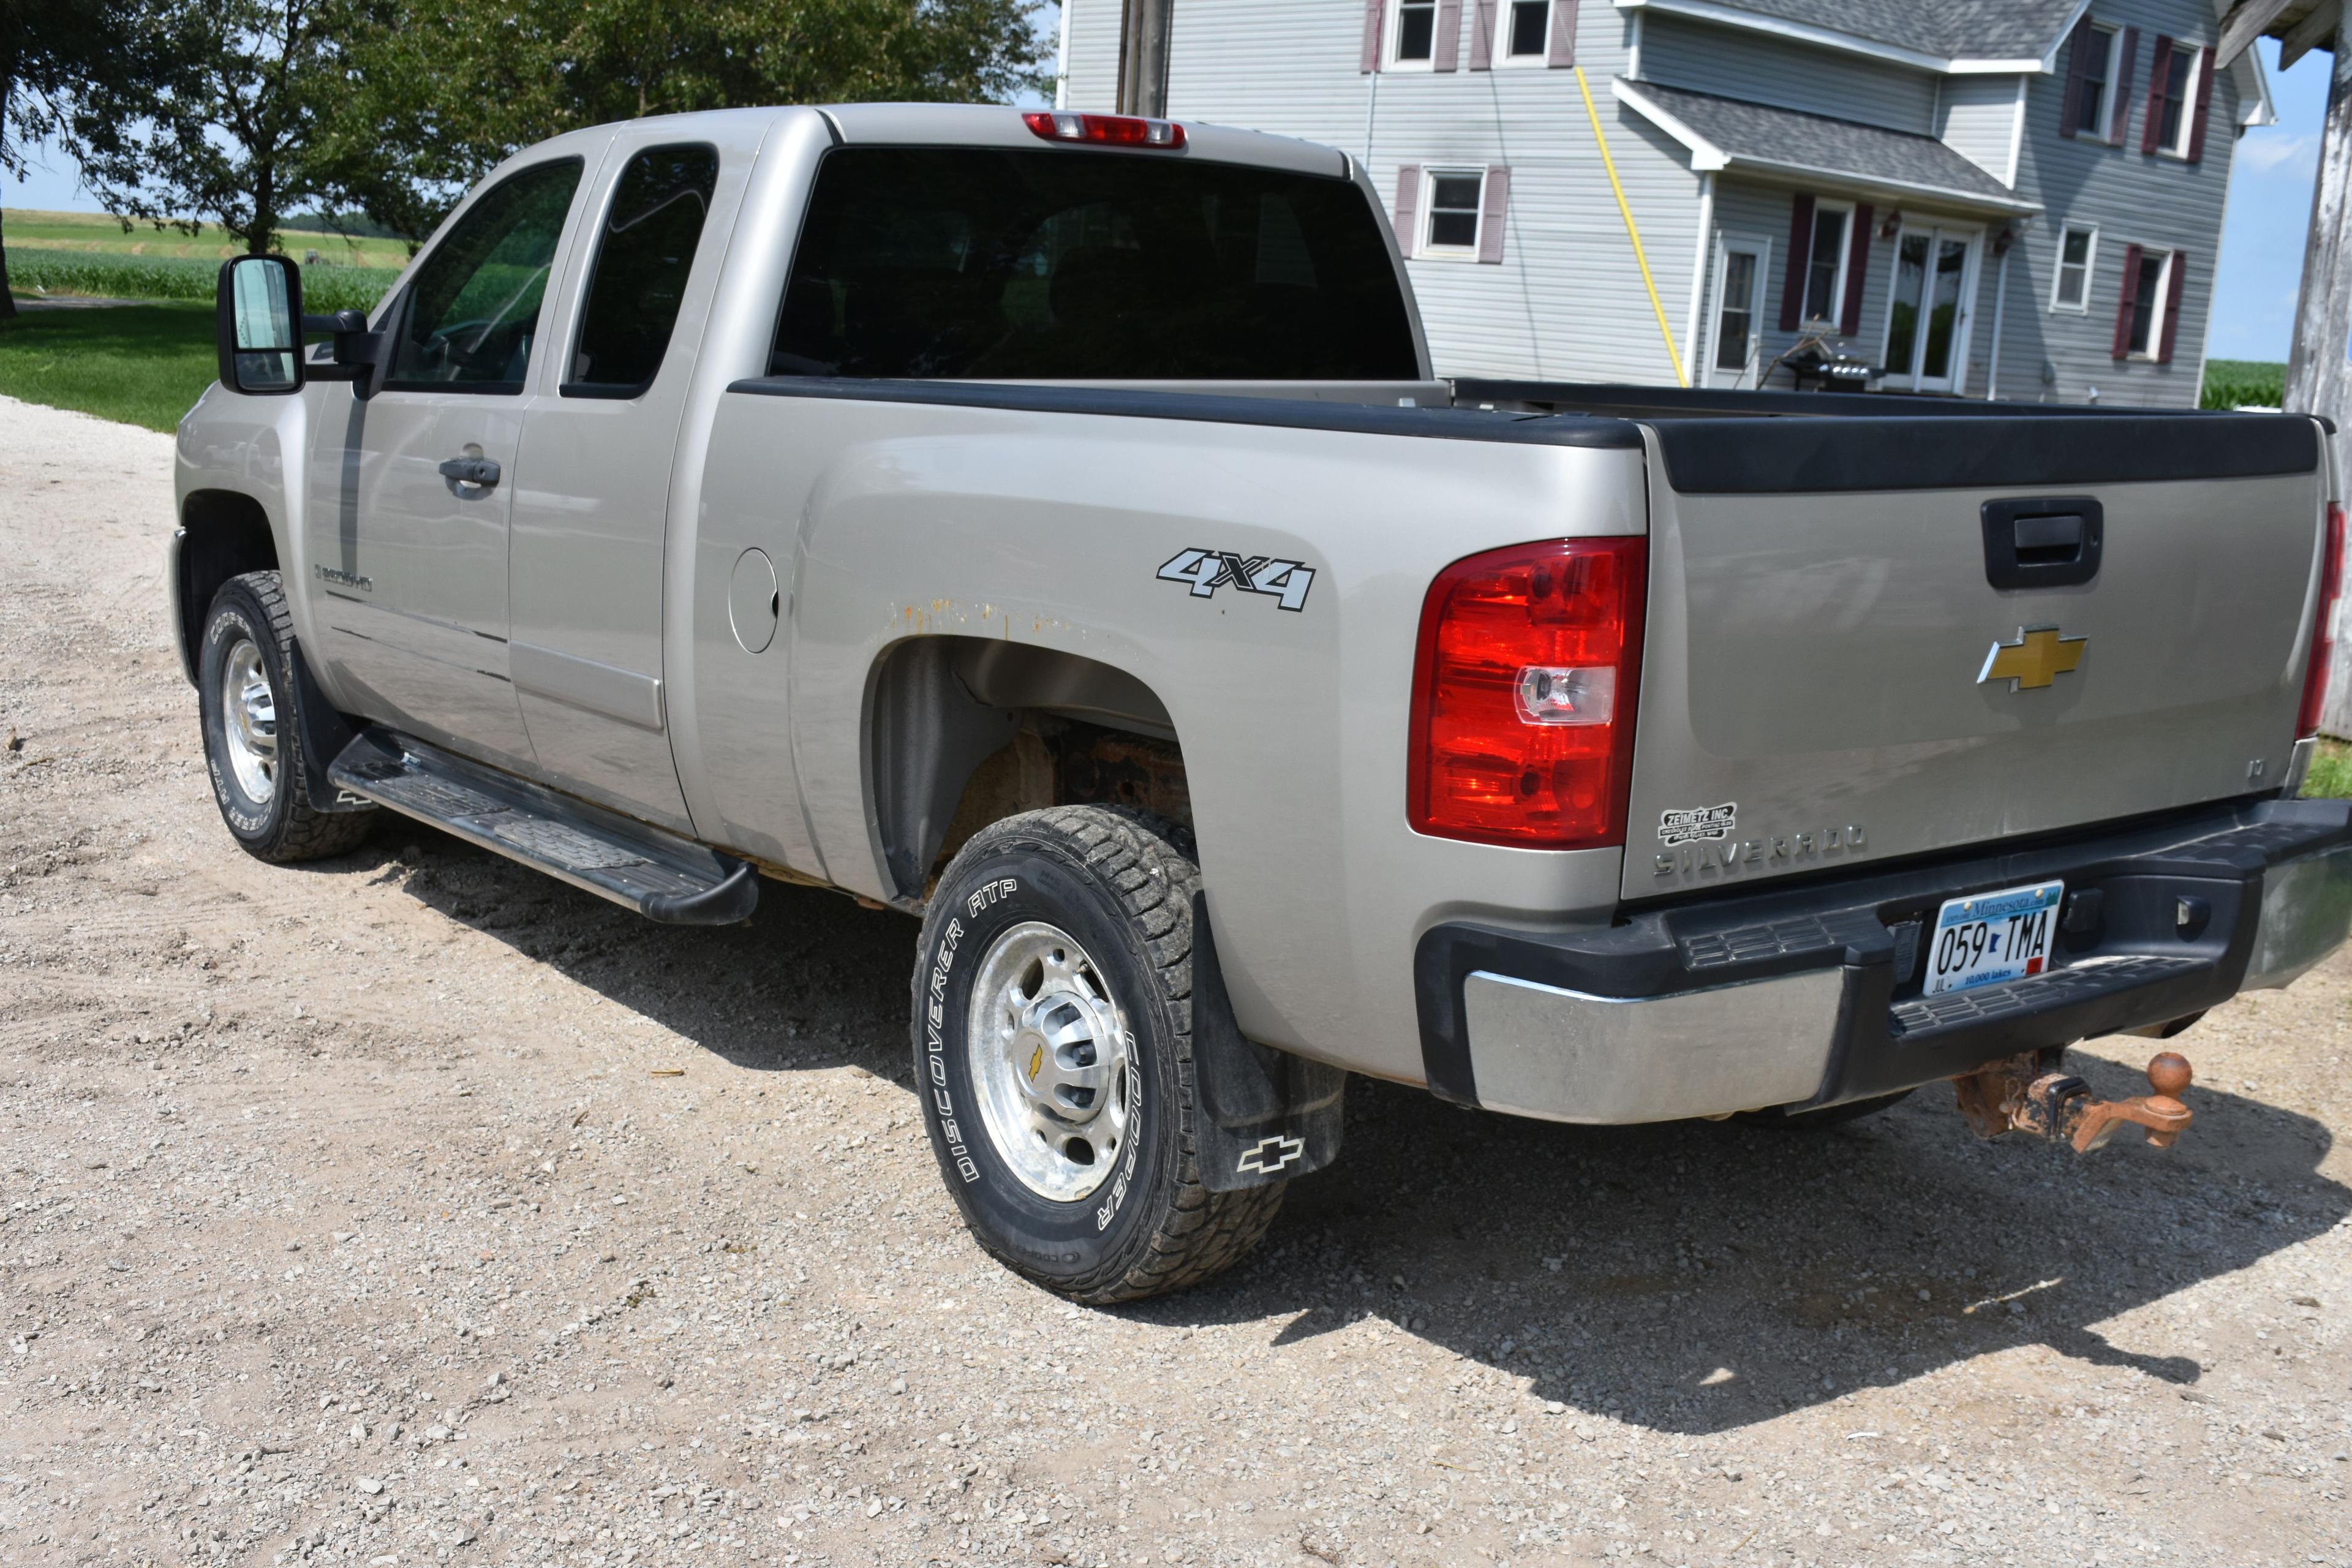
(1992, 937)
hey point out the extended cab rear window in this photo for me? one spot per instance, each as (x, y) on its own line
(975, 262)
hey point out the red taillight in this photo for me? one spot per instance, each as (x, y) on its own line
(1523, 695)
(1105, 130)
(2323, 631)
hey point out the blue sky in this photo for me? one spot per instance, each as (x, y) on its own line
(2262, 240)
(2269, 215)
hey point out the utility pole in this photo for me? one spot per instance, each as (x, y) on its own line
(1143, 27)
(2319, 364)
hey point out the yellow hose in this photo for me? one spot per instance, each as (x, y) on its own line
(1665, 332)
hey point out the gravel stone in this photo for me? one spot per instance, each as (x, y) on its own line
(783, 1349)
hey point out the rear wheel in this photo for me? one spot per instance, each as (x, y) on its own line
(252, 725)
(1053, 1050)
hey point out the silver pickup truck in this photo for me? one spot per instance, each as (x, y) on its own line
(1051, 525)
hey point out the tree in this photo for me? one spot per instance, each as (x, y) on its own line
(444, 89)
(225, 116)
(50, 51)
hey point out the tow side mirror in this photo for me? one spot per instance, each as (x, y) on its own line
(259, 304)
(260, 329)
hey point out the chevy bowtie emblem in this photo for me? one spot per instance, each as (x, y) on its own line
(2037, 656)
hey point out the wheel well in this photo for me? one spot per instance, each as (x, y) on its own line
(968, 731)
(228, 535)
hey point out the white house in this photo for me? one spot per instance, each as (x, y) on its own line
(1980, 197)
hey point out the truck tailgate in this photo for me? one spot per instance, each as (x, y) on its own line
(1831, 674)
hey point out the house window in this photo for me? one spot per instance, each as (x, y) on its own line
(2147, 293)
(1454, 198)
(2076, 248)
(1735, 330)
(1416, 33)
(2176, 77)
(2094, 109)
(1825, 263)
(1529, 38)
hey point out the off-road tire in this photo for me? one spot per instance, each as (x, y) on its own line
(1829, 1116)
(286, 827)
(1116, 882)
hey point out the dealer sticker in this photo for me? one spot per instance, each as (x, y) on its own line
(1695, 823)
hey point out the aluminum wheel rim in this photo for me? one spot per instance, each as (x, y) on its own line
(249, 722)
(1050, 1062)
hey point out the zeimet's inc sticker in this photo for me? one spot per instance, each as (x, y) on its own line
(1697, 822)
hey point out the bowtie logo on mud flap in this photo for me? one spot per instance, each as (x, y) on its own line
(1268, 1156)
(1204, 572)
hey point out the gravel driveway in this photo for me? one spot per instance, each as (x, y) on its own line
(413, 1208)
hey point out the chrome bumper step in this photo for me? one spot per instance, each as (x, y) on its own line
(660, 875)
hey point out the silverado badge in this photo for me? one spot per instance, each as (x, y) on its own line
(2037, 656)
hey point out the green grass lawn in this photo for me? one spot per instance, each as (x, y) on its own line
(142, 365)
(2331, 772)
(97, 232)
(2230, 382)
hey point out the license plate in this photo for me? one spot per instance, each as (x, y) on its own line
(1992, 937)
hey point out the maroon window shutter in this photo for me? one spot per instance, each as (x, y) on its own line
(1375, 15)
(2204, 104)
(1447, 55)
(2119, 120)
(1407, 205)
(1563, 33)
(1482, 35)
(1495, 213)
(2159, 71)
(1792, 282)
(2124, 308)
(2179, 278)
(2078, 61)
(1857, 265)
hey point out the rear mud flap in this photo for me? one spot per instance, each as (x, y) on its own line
(1265, 1115)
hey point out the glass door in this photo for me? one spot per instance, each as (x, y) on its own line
(1927, 309)
(1735, 337)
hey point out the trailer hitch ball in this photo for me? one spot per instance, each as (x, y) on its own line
(2026, 1094)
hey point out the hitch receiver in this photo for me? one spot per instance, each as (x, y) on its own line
(2028, 1094)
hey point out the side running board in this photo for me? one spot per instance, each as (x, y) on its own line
(657, 874)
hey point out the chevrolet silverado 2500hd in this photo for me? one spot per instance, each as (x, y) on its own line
(1051, 525)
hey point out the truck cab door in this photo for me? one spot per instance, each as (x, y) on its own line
(411, 490)
(592, 497)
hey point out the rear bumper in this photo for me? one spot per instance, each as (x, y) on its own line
(1808, 996)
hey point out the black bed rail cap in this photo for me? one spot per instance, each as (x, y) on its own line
(1218, 408)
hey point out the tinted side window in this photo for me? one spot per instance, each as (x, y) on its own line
(474, 307)
(642, 261)
(1063, 263)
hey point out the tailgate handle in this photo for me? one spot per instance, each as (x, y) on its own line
(2043, 542)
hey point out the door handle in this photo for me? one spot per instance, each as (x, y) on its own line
(482, 471)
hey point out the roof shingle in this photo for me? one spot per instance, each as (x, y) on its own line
(1947, 29)
(1759, 135)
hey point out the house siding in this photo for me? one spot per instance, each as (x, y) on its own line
(1089, 67)
(1567, 300)
(2134, 198)
(1975, 116)
(1765, 69)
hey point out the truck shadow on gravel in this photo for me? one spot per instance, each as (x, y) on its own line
(1689, 1278)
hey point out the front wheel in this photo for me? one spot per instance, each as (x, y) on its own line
(1053, 1050)
(253, 732)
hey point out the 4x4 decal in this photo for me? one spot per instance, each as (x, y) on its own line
(1206, 571)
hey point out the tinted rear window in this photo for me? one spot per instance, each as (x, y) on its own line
(983, 263)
